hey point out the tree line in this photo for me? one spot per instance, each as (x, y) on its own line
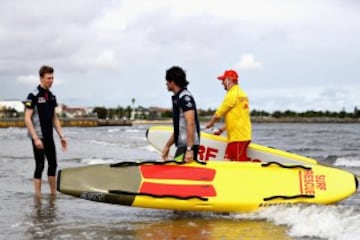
(120, 112)
(145, 113)
(308, 114)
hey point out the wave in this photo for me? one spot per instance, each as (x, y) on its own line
(328, 222)
(347, 162)
(134, 130)
(114, 130)
(15, 130)
(103, 143)
(92, 161)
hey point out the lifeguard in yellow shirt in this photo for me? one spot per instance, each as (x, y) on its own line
(235, 110)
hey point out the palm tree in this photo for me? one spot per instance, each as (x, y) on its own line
(133, 109)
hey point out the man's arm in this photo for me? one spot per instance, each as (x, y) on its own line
(190, 132)
(212, 121)
(166, 149)
(57, 126)
(59, 131)
(190, 127)
(30, 126)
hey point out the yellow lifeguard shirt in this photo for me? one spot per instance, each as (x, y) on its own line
(235, 109)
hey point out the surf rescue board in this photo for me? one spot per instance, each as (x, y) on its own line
(212, 147)
(212, 186)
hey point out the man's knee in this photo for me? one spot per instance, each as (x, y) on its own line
(52, 169)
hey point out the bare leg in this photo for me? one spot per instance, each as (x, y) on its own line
(52, 183)
(37, 187)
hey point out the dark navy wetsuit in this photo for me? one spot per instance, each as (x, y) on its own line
(43, 102)
(183, 101)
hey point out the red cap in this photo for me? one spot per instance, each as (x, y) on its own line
(229, 74)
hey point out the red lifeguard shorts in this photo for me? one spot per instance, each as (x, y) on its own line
(236, 151)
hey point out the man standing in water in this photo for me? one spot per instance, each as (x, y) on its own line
(235, 109)
(186, 135)
(40, 119)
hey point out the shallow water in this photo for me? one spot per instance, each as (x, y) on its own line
(65, 217)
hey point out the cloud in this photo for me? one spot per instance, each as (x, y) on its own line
(317, 98)
(248, 61)
(278, 45)
(27, 79)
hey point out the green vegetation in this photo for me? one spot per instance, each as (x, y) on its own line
(113, 113)
(8, 112)
(156, 114)
(308, 114)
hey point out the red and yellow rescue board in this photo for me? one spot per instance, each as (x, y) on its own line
(214, 186)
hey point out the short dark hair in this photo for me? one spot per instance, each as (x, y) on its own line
(178, 75)
(45, 69)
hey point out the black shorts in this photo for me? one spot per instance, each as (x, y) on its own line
(180, 153)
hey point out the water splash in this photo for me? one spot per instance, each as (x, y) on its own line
(328, 222)
(347, 162)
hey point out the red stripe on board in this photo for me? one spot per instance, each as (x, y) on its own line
(177, 172)
(300, 181)
(180, 190)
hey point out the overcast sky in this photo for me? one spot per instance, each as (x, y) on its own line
(290, 54)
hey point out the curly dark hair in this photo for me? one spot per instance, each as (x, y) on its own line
(178, 75)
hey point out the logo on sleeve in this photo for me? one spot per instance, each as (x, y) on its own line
(28, 103)
(188, 101)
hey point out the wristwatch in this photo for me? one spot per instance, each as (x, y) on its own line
(189, 148)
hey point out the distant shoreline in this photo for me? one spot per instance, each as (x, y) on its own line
(70, 122)
(94, 122)
(304, 120)
(268, 120)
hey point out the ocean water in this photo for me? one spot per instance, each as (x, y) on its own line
(65, 217)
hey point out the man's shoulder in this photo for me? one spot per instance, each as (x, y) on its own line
(235, 91)
(53, 95)
(34, 92)
(185, 93)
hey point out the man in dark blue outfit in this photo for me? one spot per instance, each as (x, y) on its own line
(186, 135)
(40, 119)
